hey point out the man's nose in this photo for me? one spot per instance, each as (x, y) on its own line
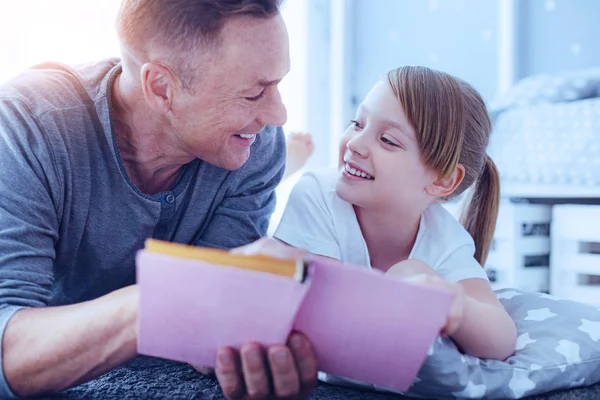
(274, 111)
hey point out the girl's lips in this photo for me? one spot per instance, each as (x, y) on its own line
(347, 175)
(348, 166)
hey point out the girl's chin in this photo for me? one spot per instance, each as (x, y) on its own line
(348, 194)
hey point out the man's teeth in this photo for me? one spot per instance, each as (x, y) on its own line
(358, 173)
(246, 135)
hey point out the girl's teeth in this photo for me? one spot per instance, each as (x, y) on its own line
(355, 172)
(246, 135)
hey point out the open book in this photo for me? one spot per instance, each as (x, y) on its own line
(362, 324)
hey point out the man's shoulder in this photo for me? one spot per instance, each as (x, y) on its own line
(54, 86)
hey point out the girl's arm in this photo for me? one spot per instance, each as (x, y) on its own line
(478, 322)
(486, 330)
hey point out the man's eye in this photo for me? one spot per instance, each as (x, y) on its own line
(256, 98)
(355, 123)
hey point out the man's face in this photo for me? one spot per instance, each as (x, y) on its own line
(235, 94)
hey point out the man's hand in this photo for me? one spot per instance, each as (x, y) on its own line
(280, 371)
(275, 372)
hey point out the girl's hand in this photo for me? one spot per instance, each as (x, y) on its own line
(421, 273)
(269, 246)
(457, 310)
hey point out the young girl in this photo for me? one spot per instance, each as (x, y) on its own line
(419, 138)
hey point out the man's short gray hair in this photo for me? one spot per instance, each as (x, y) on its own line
(182, 25)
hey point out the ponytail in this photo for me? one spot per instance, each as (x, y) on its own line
(480, 214)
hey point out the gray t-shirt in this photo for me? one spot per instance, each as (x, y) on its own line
(71, 220)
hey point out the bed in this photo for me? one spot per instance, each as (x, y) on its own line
(151, 378)
(546, 139)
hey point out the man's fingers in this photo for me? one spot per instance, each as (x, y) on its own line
(229, 374)
(306, 362)
(256, 377)
(283, 371)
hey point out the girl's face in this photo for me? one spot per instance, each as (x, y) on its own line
(380, 160)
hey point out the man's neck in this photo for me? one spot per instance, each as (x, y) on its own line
(390, 236)
(143, 141)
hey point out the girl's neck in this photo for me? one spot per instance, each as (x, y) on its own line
(390, 237)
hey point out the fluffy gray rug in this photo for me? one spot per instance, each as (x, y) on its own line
(150, 378)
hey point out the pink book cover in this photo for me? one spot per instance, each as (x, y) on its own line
(362, 325)
(190, 308)
(369, 327)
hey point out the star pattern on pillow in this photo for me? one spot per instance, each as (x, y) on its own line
(539, 314)
(570, 350)
(577, 383)
(431, 349)
(523, 341)
(557, 347)
(472, 360)
(535, 367)
(509, 294)
(520, 383)
(591, 328)
(549, 297)
(472, 390)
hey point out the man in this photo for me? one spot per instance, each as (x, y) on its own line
(176, 141)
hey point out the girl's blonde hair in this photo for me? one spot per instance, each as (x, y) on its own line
(453, 127)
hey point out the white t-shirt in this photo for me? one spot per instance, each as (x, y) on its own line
(317, 220)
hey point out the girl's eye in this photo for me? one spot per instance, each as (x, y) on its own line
(256, 98)
(355, 123)
(387, 141)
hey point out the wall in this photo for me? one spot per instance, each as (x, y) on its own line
(457, 36)
(557, 35)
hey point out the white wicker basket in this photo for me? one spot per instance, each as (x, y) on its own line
(575, 259)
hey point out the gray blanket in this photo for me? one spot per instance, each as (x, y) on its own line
(150, 378)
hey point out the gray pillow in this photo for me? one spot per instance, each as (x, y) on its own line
(549, 88)
(558, 347)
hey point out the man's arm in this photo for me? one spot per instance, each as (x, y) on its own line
(46, 350)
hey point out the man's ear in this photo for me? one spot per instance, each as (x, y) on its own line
(445, 187)
(158, 84)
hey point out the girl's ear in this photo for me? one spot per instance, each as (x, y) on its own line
(445, 187)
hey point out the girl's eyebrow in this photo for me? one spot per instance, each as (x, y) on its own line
(392, 124)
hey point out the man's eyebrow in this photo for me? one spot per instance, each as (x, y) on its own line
(264, 83)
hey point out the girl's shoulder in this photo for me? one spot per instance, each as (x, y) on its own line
(440, 234)
(324, 178)
(318, 183)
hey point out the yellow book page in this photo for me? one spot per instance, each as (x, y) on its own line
(291, 268)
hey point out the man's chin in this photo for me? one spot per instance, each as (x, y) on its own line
(232, 163)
